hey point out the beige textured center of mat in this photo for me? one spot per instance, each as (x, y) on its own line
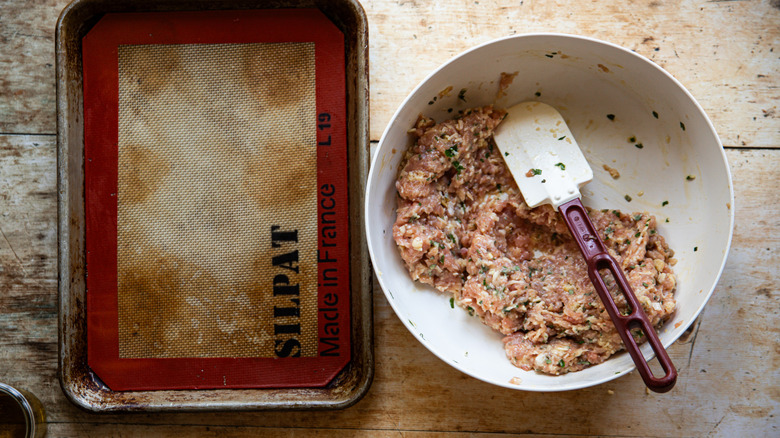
(217, 202)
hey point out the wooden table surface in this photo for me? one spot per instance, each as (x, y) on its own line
(726, 52)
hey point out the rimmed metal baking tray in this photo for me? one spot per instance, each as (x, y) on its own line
(79, 382)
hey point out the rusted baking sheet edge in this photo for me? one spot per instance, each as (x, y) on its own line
(78, 382)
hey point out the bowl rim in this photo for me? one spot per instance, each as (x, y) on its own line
(564, 36)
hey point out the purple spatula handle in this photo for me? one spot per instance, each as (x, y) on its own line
(598, 258)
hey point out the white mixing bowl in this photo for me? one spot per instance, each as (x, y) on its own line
(680, 174)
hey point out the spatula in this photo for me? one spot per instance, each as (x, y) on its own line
(549, 168)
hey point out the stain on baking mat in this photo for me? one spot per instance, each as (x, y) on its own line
(199, 178)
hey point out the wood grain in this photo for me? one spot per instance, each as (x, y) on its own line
(721, 51)
(727, 53)
(164, 431)
(413, 391)
(27, 92)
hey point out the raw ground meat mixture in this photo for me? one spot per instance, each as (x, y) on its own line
(462, 226)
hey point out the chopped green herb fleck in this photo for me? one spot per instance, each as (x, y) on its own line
(452, 303)
(561, 363)
(451, 152)
(561, 138)
(547, 360)
(695, 248)
(655, 114)
(682, 125)
(637, 217)
(561, 165)
(451, 237)
(637, 234)
(584, 362)
(537, 94)
(645, 284)
(462, 94)
(627, 198)
(611, 117)
(536, 171)
(506, 154)
(458, 166)
(667, 220)
(690, 177)
(498, 187)
(632, 139)
(544, 181)
(639, 145)
(664, 204)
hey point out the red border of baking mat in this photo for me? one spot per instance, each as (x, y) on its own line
(101, 114)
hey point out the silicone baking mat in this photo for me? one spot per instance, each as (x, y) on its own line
(216, 200)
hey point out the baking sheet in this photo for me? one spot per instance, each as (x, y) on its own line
(80, 382)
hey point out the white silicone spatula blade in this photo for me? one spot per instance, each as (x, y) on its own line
(542, 154)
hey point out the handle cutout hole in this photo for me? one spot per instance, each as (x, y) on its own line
(623, 306)
(635, 328)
